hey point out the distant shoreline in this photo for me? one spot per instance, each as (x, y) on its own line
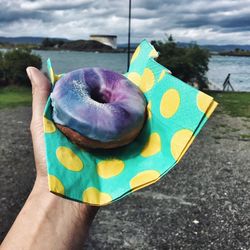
(232, 53)
(104, 50)
(94, 50)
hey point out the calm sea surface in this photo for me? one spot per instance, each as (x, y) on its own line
(219, 66)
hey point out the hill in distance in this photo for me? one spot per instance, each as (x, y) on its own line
(26, 39)
(210, 47)
(219, 48)
(38, 40)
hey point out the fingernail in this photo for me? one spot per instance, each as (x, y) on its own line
(29, 73)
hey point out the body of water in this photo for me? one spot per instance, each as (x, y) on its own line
(219, 66)
(239, 67)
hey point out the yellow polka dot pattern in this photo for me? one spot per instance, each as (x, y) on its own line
(163, 73)
(52, 75)
(69, 159)
(49, 126)
(211, 109)
(110, 168)
(186, 147)
(153, 146)
(144, 178)
(99, 179)
(153, 53)
(149, 107)
(179, 140)
(203, 101)
(136, 53)
(93, 196)
(135, 78)
(55, 185)
(147, 81)
(169, 103)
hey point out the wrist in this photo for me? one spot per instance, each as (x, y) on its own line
(48, 221)
(67, 213)
(41, 190)
(68, 220)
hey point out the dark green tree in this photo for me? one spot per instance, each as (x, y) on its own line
(47, 43)
(1, 65)
(187, 63)
(15, 63)
(52, 42)
(2, 82)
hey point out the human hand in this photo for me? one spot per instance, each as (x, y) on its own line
(46, 221)
(40, 93)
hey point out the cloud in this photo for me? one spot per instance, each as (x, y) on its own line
(217, 21)
(55, 5)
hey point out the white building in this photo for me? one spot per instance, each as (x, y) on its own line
(109, 40)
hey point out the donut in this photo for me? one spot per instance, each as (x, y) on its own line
(98, 108)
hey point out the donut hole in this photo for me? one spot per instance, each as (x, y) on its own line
(100, 96)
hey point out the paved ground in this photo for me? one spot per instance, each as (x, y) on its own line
(203, 203)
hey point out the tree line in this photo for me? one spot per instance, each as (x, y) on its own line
(13, 64)
(190, 64)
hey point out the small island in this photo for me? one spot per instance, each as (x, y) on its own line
(77, 45)
(236, 52)
(96, 43)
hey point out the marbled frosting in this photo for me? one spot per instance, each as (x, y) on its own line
(99, 104)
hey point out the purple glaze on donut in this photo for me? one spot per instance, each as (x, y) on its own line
(98, 103)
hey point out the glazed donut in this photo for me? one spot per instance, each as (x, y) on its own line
(98, 108)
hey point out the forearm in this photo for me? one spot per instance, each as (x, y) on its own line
(49, 222)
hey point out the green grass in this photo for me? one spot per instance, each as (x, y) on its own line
(223, 125)
(245, 136)
(13, 96)
(233, 103)
(217, 137)
(235, 129)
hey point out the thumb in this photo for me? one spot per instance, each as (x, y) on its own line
(40, 93)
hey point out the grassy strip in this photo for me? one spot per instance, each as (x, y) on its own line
(13, 96)
(233, 103)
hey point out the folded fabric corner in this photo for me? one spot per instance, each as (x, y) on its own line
(176, 114)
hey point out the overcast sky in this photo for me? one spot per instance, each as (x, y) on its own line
(204, 21)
